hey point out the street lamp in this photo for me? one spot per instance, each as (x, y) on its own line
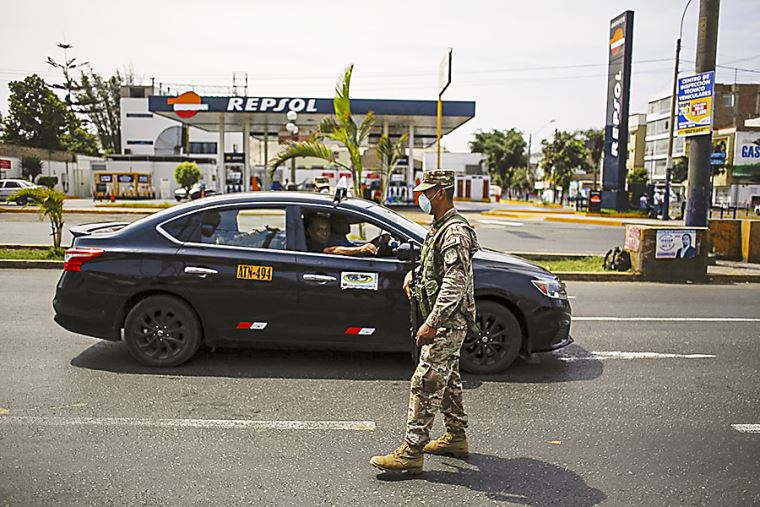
(530, 141)
(291, 127)
(671, 121)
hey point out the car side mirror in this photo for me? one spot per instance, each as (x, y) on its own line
(408, 251)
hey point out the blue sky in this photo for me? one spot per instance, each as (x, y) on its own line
(524, 63)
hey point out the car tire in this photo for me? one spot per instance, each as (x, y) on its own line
(162, 331)
(498, 344)
(21, 201)
(179, 199)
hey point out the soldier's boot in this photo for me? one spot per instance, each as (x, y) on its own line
(452, 444)
(404, 459)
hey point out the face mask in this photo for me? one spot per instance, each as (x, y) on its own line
(425, 205)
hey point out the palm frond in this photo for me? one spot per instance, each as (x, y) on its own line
(365, 127)
(303, 149)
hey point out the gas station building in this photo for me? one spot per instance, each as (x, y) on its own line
(159, 131)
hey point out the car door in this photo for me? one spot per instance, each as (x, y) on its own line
(353, 301)
(238, 271)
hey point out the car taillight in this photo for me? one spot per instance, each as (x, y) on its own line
(76, 257)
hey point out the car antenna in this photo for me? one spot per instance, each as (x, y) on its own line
(340, 191)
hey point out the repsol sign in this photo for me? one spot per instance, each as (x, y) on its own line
(275, 105)
(620, 48)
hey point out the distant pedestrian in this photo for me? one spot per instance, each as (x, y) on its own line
(658, 200)
(643, 202)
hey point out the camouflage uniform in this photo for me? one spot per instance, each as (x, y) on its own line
(445, 297)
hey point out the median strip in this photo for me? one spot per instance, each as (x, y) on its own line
(746, 428)
(616, 354)
(193, 423)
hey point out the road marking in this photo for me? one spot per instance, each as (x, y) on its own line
(632, 355)
(668, 319)
(746, 428)
(501, 222)
(193, 423)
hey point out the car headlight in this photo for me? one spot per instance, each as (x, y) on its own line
(550, 288)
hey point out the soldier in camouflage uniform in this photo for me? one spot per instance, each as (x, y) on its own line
(444, 295)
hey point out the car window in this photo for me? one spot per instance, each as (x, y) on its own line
(12, 184)
(244, 227)
(348, 230)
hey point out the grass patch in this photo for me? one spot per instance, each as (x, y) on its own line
(32, 254)
(135, 205)
(593, 263)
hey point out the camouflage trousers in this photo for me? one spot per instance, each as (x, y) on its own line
(437, 386)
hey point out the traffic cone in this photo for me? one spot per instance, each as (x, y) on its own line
(113, 196)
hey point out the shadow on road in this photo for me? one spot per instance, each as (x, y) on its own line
(300, 364)
(524, 481)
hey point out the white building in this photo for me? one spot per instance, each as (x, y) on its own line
(472, 179)
(656, 148)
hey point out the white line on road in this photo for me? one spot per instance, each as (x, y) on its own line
(669, 319)
(501, 222)
(193, 423)
(747, 428)
(615, 354)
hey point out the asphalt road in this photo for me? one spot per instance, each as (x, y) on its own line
(513, 235)
(83, 424)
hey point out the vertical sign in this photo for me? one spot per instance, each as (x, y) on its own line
(695, 104)
(616, 125)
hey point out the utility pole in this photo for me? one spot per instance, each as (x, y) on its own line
(701, 146)
(672, 120)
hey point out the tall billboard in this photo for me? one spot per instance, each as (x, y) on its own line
(616, 124)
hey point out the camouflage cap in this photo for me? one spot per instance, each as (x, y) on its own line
(430, 179)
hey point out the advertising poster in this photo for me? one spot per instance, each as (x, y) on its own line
(676, 244)
(632, 238)
(695, 104)
(747, 156)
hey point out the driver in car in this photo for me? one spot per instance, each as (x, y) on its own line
(318, 240)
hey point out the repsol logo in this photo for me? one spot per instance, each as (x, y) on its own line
(261, 104)
(616, 112)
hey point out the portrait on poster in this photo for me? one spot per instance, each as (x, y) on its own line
(676, 244)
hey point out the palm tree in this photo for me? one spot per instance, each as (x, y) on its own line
(50, 204)
(389, 153)
(342, 129)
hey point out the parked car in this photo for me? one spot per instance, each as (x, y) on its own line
(196, 192)
(10, 187)
(757, 209)
(235, 270)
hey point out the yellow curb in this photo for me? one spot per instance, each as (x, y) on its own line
(531, 211)
(578, 220)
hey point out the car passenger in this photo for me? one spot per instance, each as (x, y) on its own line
(318, 240)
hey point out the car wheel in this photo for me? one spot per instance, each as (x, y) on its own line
(179, 199)
(498, 344)
(162, 331)
(21, 201)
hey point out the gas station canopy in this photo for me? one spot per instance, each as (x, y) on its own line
(267, 115)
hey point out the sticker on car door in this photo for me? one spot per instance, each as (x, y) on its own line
(358, 280)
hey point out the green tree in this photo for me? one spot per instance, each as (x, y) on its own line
(595, 143)
(504, 150)
(49, 201)
(38, 118)
(99, 100)
(637, 175)
(31, 166)
(561, 156)
(680, 169)
(521, 180)
(340, 128)
(187, 174)
(389, 154)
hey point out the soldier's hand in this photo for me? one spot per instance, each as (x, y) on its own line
(408, 285)
(425, 335)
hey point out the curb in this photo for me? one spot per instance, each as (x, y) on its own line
(598, 276)
(586, 221)
(25, 264)
(89, 211)
(508, 212)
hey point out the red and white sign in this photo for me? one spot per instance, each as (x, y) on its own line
(4, 164)
(255, 326)
(364, 331)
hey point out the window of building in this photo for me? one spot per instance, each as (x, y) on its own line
(205, 148)
(727, 100)
(139, 115)
(140, 142)
(661, 147)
